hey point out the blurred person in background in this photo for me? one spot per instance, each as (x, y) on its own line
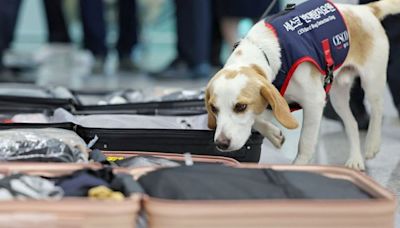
(9, 9)
(231, 12)
(94, 30)
(56, 25)
(392, 26)
(200, 24)
(8, 19)
(194, 35)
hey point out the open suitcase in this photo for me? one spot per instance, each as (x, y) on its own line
(284, 213)
(199, 142)
(67, 212)
(133, 139)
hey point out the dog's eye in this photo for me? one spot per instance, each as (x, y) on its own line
(214, 109)
(240, 107)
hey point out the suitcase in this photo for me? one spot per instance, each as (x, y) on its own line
(198, 142)
(27, 98)
(69, 211)
(166, 108)
(373, 213)
(176, 104)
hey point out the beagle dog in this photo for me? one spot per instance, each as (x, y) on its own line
(237, 97)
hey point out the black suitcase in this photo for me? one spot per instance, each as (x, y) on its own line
(199, 142)
(17, 98)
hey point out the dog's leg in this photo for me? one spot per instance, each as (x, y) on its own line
(306, 86)
(270, 131)
(374, 87)
(340, 97)
(312, 115)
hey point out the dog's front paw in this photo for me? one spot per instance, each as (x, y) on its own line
(277, 139)
(355, 163)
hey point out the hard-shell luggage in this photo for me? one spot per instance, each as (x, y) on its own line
(376, 212)
(69, 211)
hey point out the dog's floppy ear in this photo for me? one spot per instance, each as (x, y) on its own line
(212, 122)
(279, 106)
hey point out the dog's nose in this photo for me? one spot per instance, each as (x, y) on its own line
(223, 143)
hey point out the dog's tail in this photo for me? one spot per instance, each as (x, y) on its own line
(384, 8)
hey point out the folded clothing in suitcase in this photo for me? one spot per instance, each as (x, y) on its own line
(265, 196)
(68, 211)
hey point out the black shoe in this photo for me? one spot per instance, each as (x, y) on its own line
(180, 70)
(98, 66)
(201, 71)
(126, 65)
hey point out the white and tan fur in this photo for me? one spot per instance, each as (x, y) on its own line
(246, 79)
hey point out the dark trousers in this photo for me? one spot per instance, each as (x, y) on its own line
(8, 18)
(194, 28)
(57, 28)
(94, 26)
(392, 26)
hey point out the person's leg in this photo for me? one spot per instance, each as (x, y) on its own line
(92, 14)
(194, 30)
(393, 73)
(217, 39)
(8, 19)
(128, 33)
(230, 29)
(128, 27)
(57, 28)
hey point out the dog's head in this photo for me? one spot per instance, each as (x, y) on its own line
(233, 100)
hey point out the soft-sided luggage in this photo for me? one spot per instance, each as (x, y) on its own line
(377, 211)
(69, 211)
(25, 98)
(166, 108)
(199, 142)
